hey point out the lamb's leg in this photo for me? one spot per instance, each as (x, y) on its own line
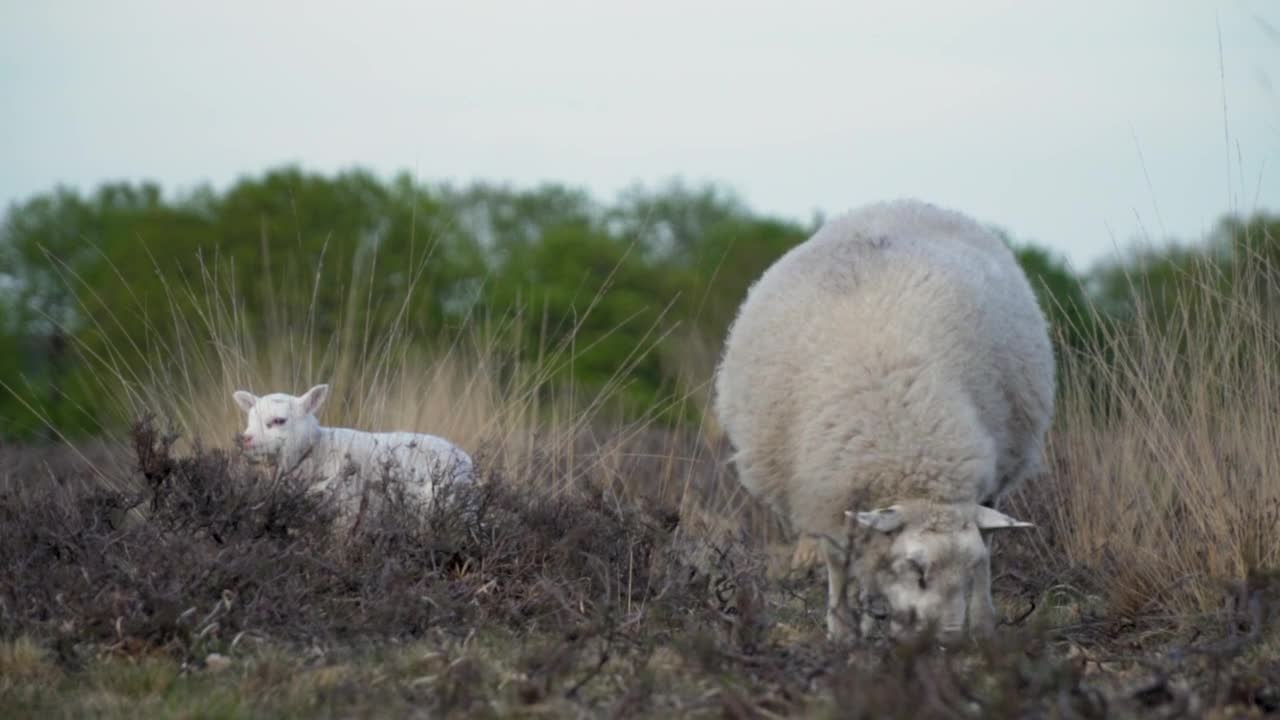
(838, 615)
(982, 611)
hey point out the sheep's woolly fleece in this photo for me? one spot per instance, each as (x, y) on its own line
(897, 354)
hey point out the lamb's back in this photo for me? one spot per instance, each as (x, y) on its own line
(417, 456)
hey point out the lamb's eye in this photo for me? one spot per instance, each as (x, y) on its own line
(275, 422)
(918, 569)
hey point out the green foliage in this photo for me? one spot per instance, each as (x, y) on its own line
(1254, 242)
(674, 222)
(1167, 285)
(631, 297)
(590, 306)
(12, 355)
(1062, 296)
(734, 253)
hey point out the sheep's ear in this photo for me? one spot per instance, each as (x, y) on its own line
(245, 400)
(314, 398)
(992, 519)
(886, 520)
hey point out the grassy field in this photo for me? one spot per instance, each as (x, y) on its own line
(616, 569)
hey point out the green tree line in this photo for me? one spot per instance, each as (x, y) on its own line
(647, 282)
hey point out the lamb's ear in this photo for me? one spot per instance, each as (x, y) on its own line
(886, 520)
(992, 519)
(245, 400)
(314, 398)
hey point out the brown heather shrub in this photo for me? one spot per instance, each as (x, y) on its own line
(200, 551)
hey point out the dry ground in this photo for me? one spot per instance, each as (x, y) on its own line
(589, 588)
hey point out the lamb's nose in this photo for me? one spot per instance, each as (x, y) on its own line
(878, 607)
(246, 440)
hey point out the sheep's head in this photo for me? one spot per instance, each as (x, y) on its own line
(926, 564)
(282, 427)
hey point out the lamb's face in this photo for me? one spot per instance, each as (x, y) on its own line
(280, 426)
(924, 566)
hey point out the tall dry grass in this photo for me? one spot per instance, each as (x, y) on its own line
(513, 412)
(1164, 479)
(1164, 467)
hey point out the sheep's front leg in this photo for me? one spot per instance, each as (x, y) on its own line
(982, 611)
(838, 615)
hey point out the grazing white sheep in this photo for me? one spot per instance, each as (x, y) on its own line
(283, 431)
(894, 369)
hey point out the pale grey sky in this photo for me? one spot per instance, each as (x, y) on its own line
(1038, 116)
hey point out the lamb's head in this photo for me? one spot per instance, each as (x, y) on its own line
(926, 564)
(282, 428)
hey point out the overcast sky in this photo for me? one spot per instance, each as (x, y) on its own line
(1080, 125)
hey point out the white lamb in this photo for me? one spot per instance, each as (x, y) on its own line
(895, 369)
(283, 432)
